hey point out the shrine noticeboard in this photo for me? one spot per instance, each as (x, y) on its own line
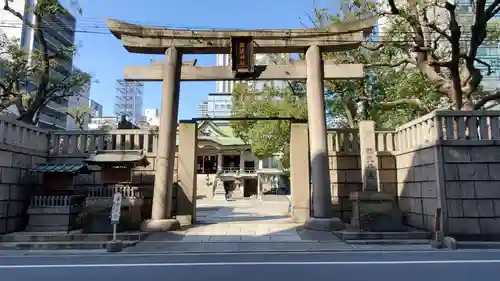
(242, 54)
(116, 208)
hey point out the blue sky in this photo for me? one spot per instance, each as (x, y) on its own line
(103, 56)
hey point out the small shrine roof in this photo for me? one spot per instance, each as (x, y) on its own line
(62, 168)
(118, 156)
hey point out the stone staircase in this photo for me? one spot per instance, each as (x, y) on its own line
(410, 237)
(64, 241)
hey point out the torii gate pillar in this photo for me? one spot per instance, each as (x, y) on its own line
(161, 215)
(322, 215)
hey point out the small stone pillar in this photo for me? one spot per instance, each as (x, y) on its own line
(219, 191)
(369, 159)
(161, 214)
(187, 173)
(373, 210)
(299, 172)
(219, 162)
(239, 185)
(242, 161)
(322, 218)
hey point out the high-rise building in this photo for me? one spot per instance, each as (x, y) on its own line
(488, 52)
(80, 99)
(152, 116)
(59, 31)
(96, 109)
(129, 100)
(219, 104)
(203, 109)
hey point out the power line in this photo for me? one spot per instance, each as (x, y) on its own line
(89, 31)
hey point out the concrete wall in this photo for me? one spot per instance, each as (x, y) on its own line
(472, 190)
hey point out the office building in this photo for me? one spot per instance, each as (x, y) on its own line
(79, 100)
(96, 109)
(152, 116)
(59, 31)
(103, 123)
(129, 100)
(219, 104)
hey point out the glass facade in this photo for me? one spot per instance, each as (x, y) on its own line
(488, 52)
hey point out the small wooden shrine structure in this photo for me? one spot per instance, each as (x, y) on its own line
(56, 203)
(116, 175)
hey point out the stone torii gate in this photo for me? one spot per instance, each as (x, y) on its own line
(242, 45)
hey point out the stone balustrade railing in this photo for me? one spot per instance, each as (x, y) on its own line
(468, 125)
(54, 201)
(385, 140)
(418, 132)
(233, 170)
(454, 125)
(343, 140)
(108, 192)
(347, 140)
(19, 134)
(84, 142)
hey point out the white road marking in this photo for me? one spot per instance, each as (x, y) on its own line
(88, 253)
(43, 266)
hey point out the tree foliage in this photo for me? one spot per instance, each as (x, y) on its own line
(80, 114)
(267, 137)
(390, 94)
(442, 41)
(31, 80)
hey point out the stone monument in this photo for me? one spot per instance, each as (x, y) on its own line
(373, 210)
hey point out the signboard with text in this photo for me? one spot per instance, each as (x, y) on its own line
(242, 54)
(116, 208)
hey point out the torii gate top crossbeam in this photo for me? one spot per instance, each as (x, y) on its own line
(152, 40)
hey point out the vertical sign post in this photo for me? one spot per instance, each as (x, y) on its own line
(116, 212)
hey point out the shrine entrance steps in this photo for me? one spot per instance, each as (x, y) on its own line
(74, 240)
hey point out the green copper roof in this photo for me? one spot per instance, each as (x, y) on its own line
(61, 168)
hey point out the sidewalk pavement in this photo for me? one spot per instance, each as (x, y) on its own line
(248, 226)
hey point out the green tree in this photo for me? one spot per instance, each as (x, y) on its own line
(80, 114)
(442, 42)
(267, 137)
(42, 68)
(392, 91)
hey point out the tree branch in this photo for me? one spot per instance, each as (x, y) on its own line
(408, 102)
(372, 47)
(394, 64)
(484, 100)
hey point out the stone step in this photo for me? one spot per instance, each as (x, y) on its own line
(364, 235)
(478, 245)
(65, 237)
(66, 245)
(390, 242)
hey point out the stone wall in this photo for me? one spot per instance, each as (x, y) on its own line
(472, 190)
(16, 185)
(345, 176)
(416, 187)
(22, 147)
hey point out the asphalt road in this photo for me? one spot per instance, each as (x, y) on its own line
(383, 265)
